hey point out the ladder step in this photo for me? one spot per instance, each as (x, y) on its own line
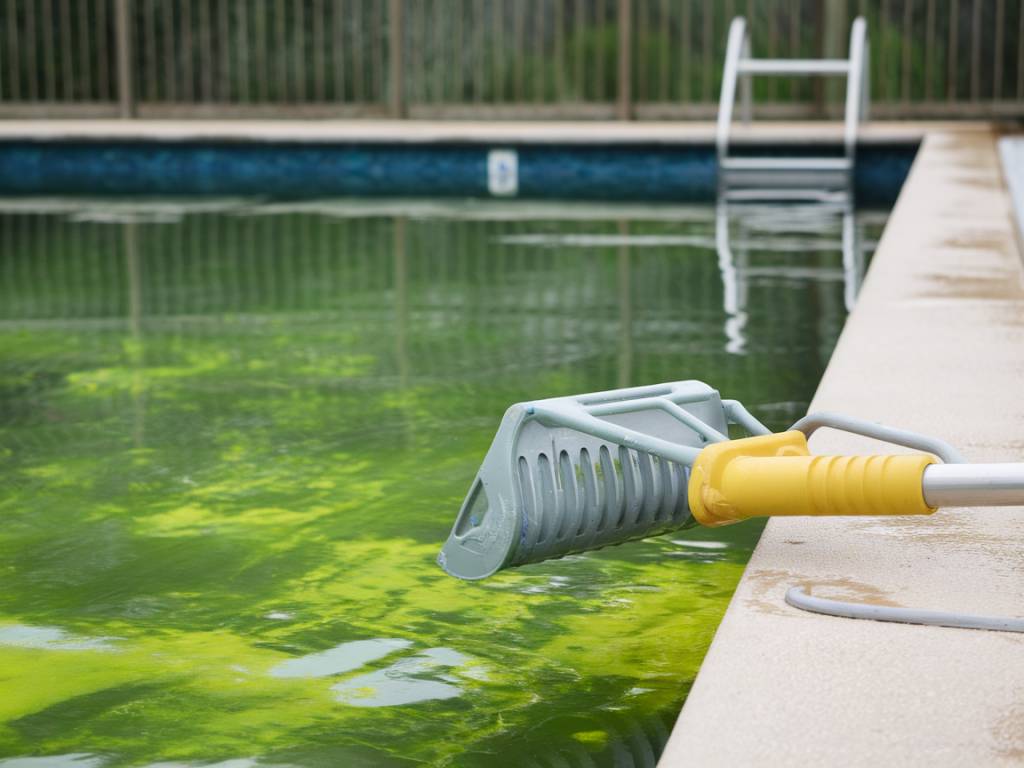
(795, 194)
(793, 67)
(786, 164)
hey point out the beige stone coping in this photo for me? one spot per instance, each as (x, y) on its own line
(934, 344)
(423, 131)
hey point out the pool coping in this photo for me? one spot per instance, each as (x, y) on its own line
(467, 132)
(934, 344)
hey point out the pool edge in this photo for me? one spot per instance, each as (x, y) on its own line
(469, 131)
(779, 686)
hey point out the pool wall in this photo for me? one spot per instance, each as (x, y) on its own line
(594, 171)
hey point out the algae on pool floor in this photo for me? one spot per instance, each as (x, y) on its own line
(234, 438)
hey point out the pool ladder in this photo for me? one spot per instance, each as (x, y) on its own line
(758, 177)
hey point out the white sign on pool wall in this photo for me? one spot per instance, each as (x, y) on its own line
(503, 172)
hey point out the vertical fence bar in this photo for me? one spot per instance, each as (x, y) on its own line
(205, 53)
(793, 88)
(884, 88)
(976, 51)
(413, 58)
(149, 89)
(643, 65)
(185, 50)
(49, 51)
(600, 90)
(396, 68)
(906, 41)
(319, 80)
(29, 36)
(338, 49)
(836, 31)
(279, 52)
(772, 86)
(997, 52)
(951, 57)
(107, 80)
(299, 46)
(518, 51)
(357, 37)
(577, 24)
(706, 82)
(664, 22)
(624, 110)
(538, 53)
(478, 51)
(686, 91)
(225, 36)
(125, 86)
(929, 51)
(378, 64)
(259, 23)
(170, 73)
(242, 57)
(67, 52)
(14, 71)
(497, 54)
(561, 64)
(437, 55)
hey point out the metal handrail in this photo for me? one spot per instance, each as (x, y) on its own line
(857, 85)
(733, 53)
(740, 64)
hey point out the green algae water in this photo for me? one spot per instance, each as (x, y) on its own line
(234, 435)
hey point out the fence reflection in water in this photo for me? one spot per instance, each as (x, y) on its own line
(628, 294)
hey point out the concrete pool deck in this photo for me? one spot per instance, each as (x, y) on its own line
(935, 344)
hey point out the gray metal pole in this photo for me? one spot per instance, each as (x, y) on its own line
(973, 485)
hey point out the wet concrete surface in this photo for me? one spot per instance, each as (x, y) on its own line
(935, 344)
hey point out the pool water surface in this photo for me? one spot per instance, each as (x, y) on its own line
(235, 433)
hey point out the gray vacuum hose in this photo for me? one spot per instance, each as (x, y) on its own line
(797, 598)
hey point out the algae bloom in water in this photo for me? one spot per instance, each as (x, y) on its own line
(232, 443)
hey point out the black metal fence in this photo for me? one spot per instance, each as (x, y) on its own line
(487, 59)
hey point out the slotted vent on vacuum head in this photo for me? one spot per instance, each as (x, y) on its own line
(586, 499)
(574, 473)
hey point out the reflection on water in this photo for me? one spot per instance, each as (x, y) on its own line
(51, 639)
(341, 658)
(403, 682)
(234, 434)
(745, 230)
(54, 761)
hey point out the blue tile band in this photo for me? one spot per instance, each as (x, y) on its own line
(685, 173)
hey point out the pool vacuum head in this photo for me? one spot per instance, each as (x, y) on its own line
(571, 474)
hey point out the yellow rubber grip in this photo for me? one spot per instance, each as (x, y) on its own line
(775, 475)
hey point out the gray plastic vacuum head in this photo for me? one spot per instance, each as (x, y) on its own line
(575, 473)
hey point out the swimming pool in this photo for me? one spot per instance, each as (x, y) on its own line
(235, 432)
